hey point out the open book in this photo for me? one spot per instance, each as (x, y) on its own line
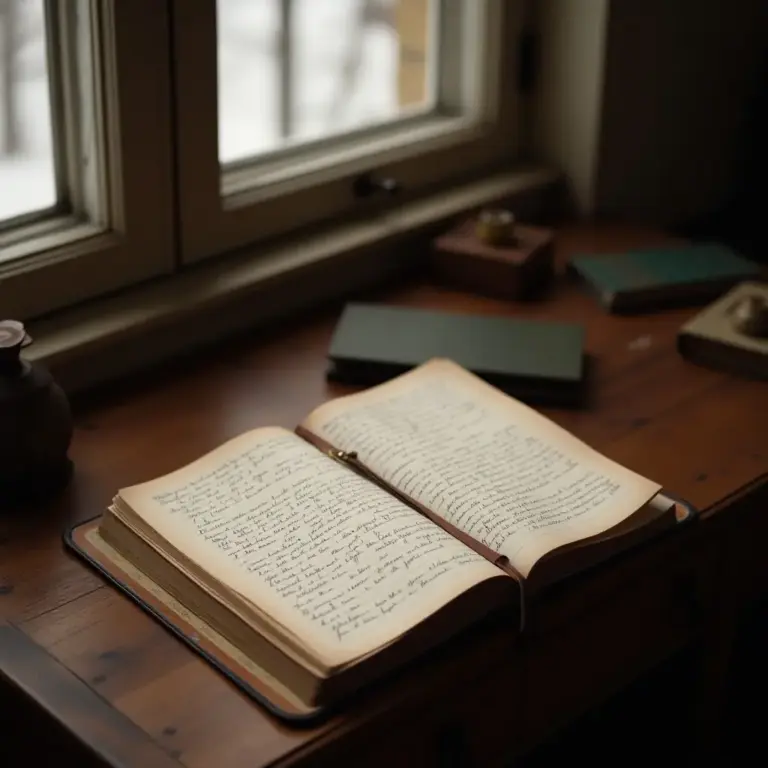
(389, 521)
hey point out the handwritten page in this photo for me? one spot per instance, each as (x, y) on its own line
(334, 558)
(488, 464)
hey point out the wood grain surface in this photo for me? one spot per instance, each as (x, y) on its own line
(94, 666)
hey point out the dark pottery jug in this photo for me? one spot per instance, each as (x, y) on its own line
(35, 425)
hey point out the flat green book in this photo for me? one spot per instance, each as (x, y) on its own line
(662, 277)
(540, 362)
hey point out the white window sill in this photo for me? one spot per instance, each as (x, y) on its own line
(111, 337)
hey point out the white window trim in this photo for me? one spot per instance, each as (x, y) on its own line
(273, 202)
(117, 227)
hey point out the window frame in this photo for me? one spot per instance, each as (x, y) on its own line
(219, 213)
(114, 225)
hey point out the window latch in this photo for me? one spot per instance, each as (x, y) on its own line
(368, 184)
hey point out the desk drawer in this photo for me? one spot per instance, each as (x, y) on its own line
(746, 567)
(573, 666)
(467, 717)
(477, 726)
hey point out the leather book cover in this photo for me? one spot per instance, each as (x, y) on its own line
(535, 361)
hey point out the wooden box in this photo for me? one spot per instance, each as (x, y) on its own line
(516, 271)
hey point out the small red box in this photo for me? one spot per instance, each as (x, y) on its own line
(515, 271)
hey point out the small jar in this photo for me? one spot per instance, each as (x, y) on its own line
(496, 227)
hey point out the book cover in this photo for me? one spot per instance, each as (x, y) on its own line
(661, 277)
(537, 361)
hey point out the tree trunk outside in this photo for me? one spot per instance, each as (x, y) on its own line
(9, 129)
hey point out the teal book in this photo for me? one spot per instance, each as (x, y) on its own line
(657, 278)
(538, 362)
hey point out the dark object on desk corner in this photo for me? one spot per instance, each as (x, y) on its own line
(491, 254)
(659, 278)
(731, 334)
(35, 425)
(538, 362)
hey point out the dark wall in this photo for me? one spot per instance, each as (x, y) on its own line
(684, 82)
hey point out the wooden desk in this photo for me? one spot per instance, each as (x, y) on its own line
(81, 668)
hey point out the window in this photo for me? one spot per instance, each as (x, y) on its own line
(282, 104)
(139, 137)
(294, 71)
(26, 137)
(85, 160)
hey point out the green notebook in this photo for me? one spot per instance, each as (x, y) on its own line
(662, 277)
(540, 362)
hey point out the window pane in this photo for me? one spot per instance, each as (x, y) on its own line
(27, 175)
(297, 70)
(248, 76)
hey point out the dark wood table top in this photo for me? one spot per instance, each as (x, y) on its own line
(107, 672)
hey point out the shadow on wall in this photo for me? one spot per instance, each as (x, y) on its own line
(683, 114)
(741, 220)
